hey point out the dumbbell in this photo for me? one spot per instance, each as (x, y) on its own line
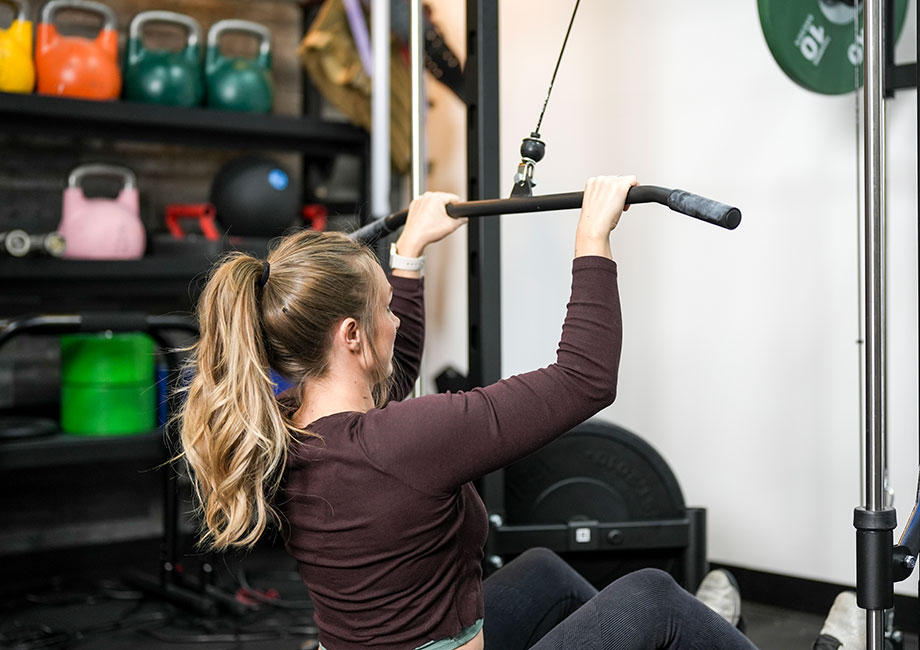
(19, 243)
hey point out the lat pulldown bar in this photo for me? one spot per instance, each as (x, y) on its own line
(686, 203)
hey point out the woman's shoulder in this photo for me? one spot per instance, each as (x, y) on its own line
(333, 420)
(312, 442)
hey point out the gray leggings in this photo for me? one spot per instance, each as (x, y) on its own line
(538, 601)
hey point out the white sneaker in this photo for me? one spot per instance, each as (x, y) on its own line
(720, 593)
(846, 622)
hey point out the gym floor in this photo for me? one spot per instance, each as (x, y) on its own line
(100, 611)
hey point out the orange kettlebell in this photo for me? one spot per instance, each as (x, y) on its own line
(75, 66)
(17, 73)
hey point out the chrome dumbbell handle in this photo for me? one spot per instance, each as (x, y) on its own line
(52, 243)
(19, 243)
(15, 243)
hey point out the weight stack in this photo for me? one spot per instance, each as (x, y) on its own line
(107, 384)
(607, 502)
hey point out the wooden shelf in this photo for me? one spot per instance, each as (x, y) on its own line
(151, 284)
(166, 274)
(133, 121)
(154, 267)
(61, 449)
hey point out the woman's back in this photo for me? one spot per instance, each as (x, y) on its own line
(386, 564)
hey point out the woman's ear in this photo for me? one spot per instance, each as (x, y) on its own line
(350, 335)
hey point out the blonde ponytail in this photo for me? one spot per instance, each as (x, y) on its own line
(234, 434)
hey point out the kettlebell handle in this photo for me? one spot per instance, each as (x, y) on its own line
(102, 169)
(110, 22)
(21, 7)
(162, 16)
(237, 25)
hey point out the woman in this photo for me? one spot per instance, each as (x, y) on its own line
(374, 494)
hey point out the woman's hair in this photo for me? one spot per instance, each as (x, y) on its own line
(234, 432)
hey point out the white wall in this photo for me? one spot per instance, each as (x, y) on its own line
(740, 360)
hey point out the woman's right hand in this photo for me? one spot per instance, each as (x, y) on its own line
(604, 201)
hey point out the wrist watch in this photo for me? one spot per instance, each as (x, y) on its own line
(401, 263)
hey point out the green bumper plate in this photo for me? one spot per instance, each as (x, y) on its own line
(813, 41)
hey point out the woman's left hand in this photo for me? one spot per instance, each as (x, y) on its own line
(427, 222)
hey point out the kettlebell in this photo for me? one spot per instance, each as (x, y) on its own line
(163, 76)
(102, 228)
(74, 66)
(235, 83)
(17, 72)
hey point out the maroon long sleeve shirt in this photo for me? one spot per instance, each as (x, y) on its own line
(382, 518)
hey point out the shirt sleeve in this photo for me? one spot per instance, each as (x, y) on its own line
(409, 306)
(436, 443)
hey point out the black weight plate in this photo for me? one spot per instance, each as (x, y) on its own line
(596, 471)
(602, 472)
(813, 41)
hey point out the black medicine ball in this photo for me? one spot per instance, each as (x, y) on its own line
(255, 197)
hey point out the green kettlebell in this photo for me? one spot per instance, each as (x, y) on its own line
(163, 76)
(235, 83)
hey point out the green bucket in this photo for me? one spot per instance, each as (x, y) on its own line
(107, 384)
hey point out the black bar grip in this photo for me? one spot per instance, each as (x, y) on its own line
(520, 205)
(373, 231)
(692, 205)
(705, 209)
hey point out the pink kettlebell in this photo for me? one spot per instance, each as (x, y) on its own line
(102, 228)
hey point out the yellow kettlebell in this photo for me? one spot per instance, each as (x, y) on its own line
(17, 72)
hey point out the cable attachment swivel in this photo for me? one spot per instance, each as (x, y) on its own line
(533, 148)
(532, 151)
